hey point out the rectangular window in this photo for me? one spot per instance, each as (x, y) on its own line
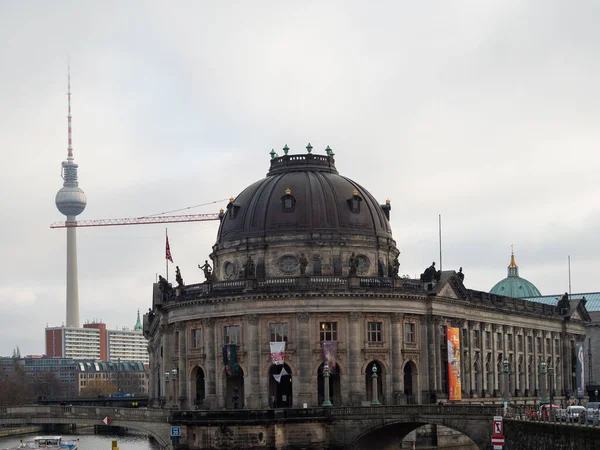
(548, 346)
(476, 338)
(465, 337)
(328, 331)
(409, 332)
(520, 342)
(488, 340)
(510, 343)
(374, 332)
(279, 332)
(538, 344)
(177, 341)
(196, 338)
(232, 335)
(556, 347)
(529, 344)
(444, 336)
(499, 345)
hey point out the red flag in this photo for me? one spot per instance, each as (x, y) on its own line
(168, 251)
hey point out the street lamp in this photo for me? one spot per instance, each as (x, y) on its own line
(551, 377)
(543, 398)
(505, 363)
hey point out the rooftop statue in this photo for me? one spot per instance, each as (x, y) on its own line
(178, 277)
(430, 274)
(165, 287)
(303, 264)
(207, 269)
(249, 268)
(353, 265)
(461, 275)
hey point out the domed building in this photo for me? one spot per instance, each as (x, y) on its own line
(513, 285)
(302, 305)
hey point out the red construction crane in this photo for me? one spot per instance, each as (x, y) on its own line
(138, 220)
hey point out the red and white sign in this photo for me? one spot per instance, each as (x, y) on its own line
(106, 421)
(498, 428)
(497, 440)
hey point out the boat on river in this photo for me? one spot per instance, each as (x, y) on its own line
(49, 442)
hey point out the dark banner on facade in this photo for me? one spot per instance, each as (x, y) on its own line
(230, 359)
(580, 370)
(330, 354)
(454, 378)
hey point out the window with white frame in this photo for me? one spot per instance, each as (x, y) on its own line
(409, 332)
(374, 332)
(328, 331)
(232, 335)
(279, 332)
(196, 337)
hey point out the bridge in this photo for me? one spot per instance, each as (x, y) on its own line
(354, 428)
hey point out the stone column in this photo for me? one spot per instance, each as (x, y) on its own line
(536, 363)
(210, 363)
(437, 346)
(305, 382)
(356, 387)
(431, 344)
(182, 372)
(152, 372)
(566, 363)
(164, 394)
(495, 380)
(396, 344)
(252, 382)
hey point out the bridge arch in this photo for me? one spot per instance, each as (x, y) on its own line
(387, 435)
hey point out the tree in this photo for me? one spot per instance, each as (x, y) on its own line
(46, 385)
(96, 387)
(15, 388)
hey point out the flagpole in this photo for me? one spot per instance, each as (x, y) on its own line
(167, 259)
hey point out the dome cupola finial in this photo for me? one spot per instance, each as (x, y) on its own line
(513, 269)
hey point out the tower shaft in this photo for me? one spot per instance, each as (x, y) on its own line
(72, 276)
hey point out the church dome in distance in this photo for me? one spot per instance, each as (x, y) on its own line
(513, 285)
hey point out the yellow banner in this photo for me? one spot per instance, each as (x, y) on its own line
(454, 389)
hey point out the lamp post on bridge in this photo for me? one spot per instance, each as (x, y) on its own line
(551, 384)
(543, 393)
(505, 387)
(326, 401)
(375, 400)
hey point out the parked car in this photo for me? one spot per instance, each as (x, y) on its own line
(573, 413)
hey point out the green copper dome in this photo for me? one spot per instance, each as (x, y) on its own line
(513, 285)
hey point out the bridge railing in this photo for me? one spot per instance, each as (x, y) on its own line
(335, 413)
(92, 412)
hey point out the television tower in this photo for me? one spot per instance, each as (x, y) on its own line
(71, 202)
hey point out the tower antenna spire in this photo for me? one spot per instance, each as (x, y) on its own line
(70, 147)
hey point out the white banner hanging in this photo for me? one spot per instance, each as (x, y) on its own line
(277, 352)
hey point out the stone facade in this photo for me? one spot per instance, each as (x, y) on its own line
(307, 256)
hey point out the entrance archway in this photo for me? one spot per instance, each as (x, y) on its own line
(280, 386)
(369, 381)
(234, 390)
(410, 382)
(335, 392)
(198, 386)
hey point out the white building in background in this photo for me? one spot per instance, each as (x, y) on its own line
(77, 343)
(127, 345)
(95, 342)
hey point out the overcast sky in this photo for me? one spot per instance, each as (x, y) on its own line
(484, 112)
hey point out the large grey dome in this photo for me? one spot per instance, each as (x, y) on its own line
(304, 208)
(323, 202)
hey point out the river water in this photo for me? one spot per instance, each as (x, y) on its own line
(93, 442)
